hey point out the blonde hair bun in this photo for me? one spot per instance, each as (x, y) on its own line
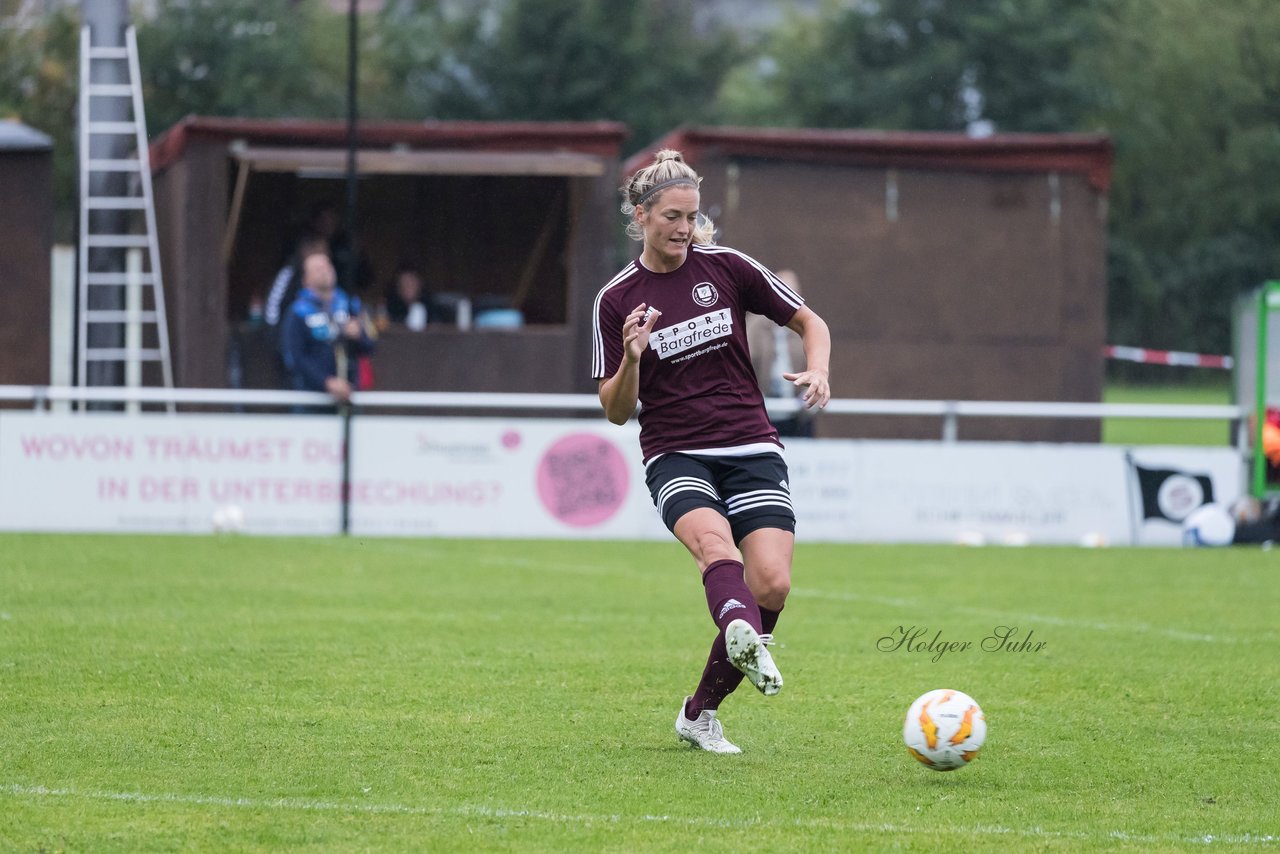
(667, 169)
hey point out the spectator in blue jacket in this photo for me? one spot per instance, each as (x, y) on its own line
(322, 332)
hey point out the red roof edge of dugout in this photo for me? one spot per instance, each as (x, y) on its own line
(1086, 154)
(603, 139)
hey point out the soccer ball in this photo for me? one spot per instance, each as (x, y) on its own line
(1208, 525)
(944, 729)
(228, 519)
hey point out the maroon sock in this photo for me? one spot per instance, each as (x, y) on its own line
(769, 619)
(728, 596)
(720, 677)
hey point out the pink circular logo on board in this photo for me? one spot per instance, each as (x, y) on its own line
(582, 480)
(510, 440)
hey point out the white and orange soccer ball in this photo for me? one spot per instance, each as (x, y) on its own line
(944, 729)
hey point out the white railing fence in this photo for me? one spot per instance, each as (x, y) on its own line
(948, 411)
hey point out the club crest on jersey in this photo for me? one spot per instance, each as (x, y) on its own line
(705, 294)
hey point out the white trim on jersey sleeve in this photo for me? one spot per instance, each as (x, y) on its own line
(780, 288)
(598, 365)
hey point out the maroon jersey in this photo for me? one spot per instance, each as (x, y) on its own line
(697, 387)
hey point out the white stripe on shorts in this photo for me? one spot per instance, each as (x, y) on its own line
(769, 498)
(683, 484)
(743, 508)
(755, 493)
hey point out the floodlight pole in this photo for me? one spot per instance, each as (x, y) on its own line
(353, 26)
(350, 219)
(1266, 294)
(107, 21)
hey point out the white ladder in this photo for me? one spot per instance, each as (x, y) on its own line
(125, 253)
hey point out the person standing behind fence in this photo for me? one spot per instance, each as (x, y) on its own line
(667, 331)
(288, 281)
(324, 229)
(775, 352)
(323, 333)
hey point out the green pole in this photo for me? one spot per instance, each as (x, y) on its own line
(1260, 392)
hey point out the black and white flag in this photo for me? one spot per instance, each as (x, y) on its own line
(1171, 494)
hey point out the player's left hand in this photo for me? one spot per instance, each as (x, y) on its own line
(816, 386)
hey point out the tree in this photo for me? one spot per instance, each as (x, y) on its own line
(1192, 99)
(556, 60)
(267, 58)
(1024, 61)
(920, 65)
(39, 85)
(415, 60)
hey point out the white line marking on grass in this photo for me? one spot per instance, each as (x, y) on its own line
(481, 811)
(1096, 625)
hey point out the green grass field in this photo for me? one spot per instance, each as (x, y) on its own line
(1174, 431)
(245, 694)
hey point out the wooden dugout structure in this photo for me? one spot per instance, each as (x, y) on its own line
(26, 230)
(521, 214)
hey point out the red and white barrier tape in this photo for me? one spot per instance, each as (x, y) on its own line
(1168, 357)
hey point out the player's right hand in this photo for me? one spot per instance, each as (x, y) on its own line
(635, 334)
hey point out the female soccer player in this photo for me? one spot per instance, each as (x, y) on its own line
(669, 331)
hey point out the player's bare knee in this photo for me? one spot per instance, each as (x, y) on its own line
(772, 587)
(712, 546)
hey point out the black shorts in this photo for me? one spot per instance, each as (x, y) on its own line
(752, 492)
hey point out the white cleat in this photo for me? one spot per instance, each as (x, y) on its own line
(705, 732)
(748, 652)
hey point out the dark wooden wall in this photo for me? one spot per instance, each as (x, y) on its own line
(535, 359)
(26, 222)
(191, 212)
(936, 285)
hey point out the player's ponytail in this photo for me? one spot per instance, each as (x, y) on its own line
(644, 188)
